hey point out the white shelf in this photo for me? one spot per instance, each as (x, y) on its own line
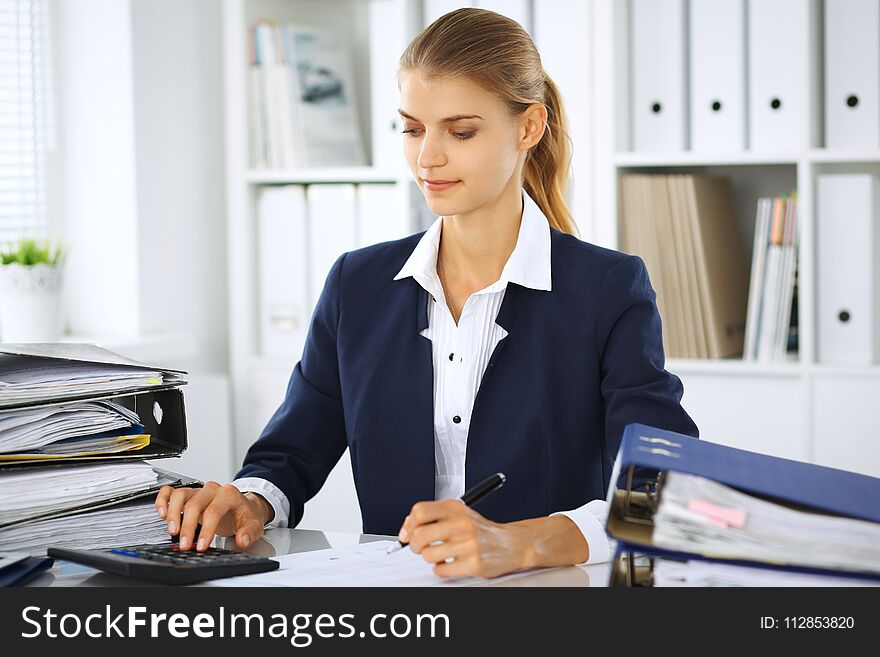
(632, 159)
(733, 367)
(323, 175)
(688, 158)
(845, 371)
(822, 156)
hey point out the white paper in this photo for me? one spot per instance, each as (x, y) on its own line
(707, 573)
(367, 564)
(33, 492)
(772, 533)
(133, 523)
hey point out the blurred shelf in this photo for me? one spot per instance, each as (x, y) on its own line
(734, 367)
(313, 175)
(632, 159)
(845, 371)
(738, 367)
(823, 156)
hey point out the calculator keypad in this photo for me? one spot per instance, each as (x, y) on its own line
(172, 555)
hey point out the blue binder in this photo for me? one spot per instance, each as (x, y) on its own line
(804, 485)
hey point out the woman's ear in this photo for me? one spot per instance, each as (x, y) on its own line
(533, 125)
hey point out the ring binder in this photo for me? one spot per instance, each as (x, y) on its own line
(791, 484)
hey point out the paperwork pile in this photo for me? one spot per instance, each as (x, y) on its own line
(700, 515)
(721, 516)
(133, 523)
(76, 423)
(101, 427)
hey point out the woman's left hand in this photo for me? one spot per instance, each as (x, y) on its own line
(442, 529)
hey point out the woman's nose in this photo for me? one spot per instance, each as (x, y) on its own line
(431, 154)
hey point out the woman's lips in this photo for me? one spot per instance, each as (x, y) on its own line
(439, 186)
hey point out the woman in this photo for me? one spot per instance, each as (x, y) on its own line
(494, 341)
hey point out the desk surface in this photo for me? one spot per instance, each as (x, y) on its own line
(277, 542)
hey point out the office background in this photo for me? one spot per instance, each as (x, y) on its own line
(145, 160)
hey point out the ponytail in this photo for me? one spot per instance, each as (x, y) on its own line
(546, 174)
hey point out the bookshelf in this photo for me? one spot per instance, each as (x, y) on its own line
(803, 409)
(259, 381)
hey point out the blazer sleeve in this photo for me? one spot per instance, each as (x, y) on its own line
(635, 384)
(305, 437)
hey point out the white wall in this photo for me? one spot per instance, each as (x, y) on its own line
(140, 97)
(141, 123)
(178, 101)
(96, 134)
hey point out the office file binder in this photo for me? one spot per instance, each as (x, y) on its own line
(848, 245)
(852, 70)
(659, 93)
(386, 29)
(790, 485)
(104, 501)
(161, 413)
(19, 362)
(783, 38)
(332, 231)
(283, 270)
(158, 404)
(380, 214)
(717, 75)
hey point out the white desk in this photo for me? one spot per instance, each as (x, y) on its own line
(277, 542)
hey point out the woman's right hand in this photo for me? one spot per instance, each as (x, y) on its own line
(222, 510)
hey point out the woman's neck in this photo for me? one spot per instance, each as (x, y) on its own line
(474, 247)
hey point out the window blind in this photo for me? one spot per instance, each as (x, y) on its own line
(25, 119)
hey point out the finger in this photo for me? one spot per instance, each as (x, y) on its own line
(423, 513)
(462, 567)
(248, 528)
(192, 513)
(226, 499)
(162, 500)
(421, 537)
(178, 498)
(449, 550)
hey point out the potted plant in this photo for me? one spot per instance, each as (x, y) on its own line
(30, 291)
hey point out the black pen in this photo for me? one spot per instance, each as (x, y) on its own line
(470, 498)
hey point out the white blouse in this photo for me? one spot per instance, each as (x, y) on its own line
(460, 354)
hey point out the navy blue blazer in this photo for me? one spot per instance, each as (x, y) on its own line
(578, 364)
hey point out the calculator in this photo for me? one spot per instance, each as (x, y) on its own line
(167, 563)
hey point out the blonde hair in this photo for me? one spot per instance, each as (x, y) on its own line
(499, 55)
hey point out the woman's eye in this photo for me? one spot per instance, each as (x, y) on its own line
(462, 136)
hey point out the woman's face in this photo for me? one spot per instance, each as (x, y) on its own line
(455, 131)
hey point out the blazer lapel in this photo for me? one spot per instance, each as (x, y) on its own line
(511, 306)
(420, 382)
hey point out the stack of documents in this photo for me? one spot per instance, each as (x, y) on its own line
(709, 573)
(132, 523)
(771, 329)
(37, 492)
(685, 229)
(702, 516)
(727, 516)
(29, 379)
(76, 425)
(79, 428)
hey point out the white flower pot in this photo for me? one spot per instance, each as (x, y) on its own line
(30, 303)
